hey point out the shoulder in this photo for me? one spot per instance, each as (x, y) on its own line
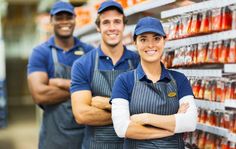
(178, 76)
(86, 47)
(126, 77)
(42, 49)
(86, 60)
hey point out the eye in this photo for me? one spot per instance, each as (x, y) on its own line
(158, 38)
(117, 21)
(105, 22)
(142, 39)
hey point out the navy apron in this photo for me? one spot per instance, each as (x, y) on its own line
(103, 137)
(59, 129)
(153, 98)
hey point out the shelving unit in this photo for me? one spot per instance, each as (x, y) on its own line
(230, 68)
(210, 4)
(210, 105)
(201, 72)
(214, 130)
(201, 39)
(230, 103)
(146, 6)
(129, 12)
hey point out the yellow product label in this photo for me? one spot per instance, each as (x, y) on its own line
(79, 52)
(171, 94)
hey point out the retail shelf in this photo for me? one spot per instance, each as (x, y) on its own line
(213, 129)
(201, 72)
(232, 137)
(211, 105)
(224, 35)
(230, 103)
(231, 68)
(210, 4)
(128, 12)
(85, 29)
(90, 38)
(146, 6)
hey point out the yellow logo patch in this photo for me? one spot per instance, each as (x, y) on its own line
(79, 52)
(171, 94)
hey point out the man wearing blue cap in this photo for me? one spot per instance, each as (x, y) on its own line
(151, 105)
(49, 72)
(93, 76)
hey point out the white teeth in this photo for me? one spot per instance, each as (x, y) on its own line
(112, 35)
(65, 28)
(151, 52)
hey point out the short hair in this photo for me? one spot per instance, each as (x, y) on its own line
(97, 21)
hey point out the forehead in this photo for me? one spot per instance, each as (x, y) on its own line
(149, 34)
(63, 13)
(110, 14)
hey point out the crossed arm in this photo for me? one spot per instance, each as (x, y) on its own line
(47, 91)
(90, 110)
(138, 126)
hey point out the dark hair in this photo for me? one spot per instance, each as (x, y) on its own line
(97, 21)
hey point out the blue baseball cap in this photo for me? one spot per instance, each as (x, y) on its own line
(149, 24)
(62, 6)
(108, 4)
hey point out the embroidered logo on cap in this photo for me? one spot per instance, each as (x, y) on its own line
(79, 52)
(171, 94)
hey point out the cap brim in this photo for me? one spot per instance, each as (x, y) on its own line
(152, 30)
(111, 5)
(63, 10)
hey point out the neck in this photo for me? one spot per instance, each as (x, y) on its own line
(152, 70)
(65, 44)
(114, 52)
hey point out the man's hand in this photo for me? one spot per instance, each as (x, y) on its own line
(183, 107)
(101, 103)
(60, 83)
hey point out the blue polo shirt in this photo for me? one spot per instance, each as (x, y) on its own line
(83, 68)
(41, 57)
(124, 83)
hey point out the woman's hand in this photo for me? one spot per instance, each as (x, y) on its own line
(183, 107)
(141, 119)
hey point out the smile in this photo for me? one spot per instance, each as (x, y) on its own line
(151, 52)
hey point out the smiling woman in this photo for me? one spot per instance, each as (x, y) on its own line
(150, 102)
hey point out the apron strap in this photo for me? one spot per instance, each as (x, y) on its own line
(135, 75)
(131, 66)
(54, 55)
(174, 83)
(96, 61)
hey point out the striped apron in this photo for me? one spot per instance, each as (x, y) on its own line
(153, 98)
(103, 137)
(59, 129)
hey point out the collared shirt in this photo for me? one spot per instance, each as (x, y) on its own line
(83, 68)
(124, 83)
(41, 57)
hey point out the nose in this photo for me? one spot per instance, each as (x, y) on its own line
(151, 44)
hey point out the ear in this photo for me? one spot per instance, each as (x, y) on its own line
(98, 29)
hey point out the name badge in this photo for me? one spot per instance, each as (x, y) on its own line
(79, 52)
(171, 94)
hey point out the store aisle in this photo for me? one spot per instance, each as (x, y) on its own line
(22, 130)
